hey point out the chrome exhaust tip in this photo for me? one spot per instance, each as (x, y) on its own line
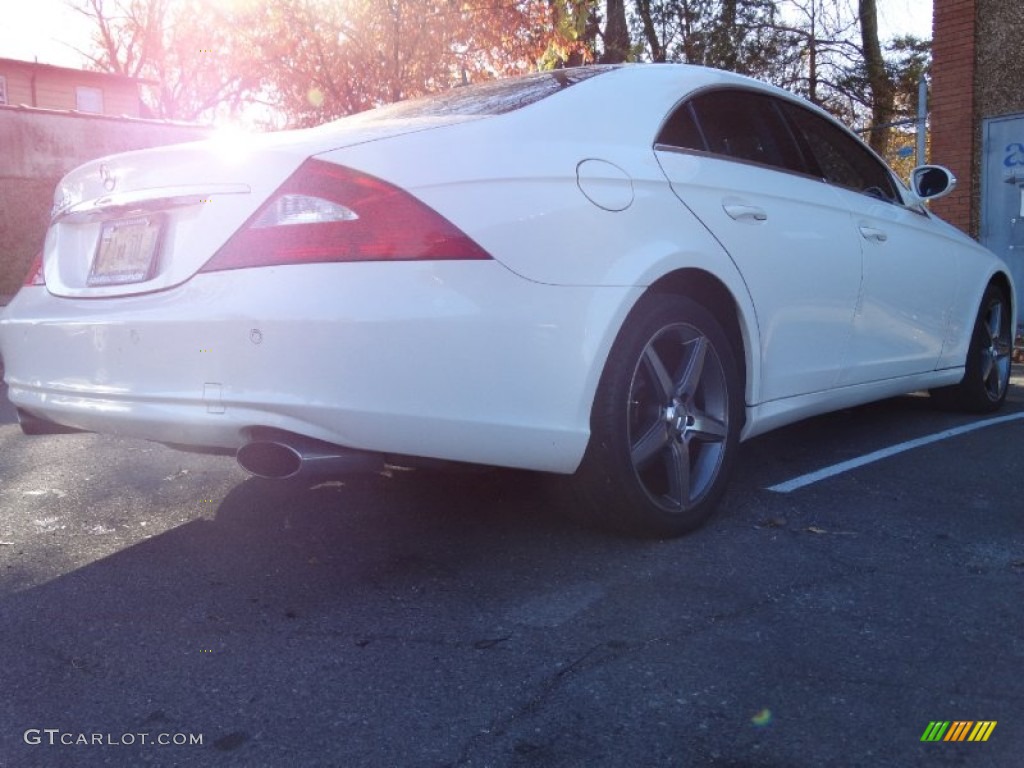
(276, 461)
(279, 455)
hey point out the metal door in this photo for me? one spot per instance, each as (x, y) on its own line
(1002, 194)
(794, 243)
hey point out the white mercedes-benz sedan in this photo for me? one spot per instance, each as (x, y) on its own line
(615, 273)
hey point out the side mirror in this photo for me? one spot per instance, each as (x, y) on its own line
(930, 182)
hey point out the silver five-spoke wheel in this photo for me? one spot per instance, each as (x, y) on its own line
(987, 367)
(678, 417)
(996, 355)
(665, 421)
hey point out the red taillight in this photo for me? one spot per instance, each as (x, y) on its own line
(326, 212)
(35, 271)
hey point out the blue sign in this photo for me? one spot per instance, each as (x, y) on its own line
(1014, 155)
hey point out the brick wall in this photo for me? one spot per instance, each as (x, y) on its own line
(953, 114)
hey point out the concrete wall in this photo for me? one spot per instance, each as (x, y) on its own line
(1000, 63)
(37, 147)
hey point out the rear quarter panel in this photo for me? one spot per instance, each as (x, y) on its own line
(513, 188)
(978, 267)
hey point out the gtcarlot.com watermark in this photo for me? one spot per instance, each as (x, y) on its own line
(56, 737)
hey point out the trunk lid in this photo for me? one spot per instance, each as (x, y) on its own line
(148, 220)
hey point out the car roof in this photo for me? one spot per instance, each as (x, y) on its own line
(618, 104)
(628, 103)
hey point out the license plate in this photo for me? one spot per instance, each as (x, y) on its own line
(127, 250)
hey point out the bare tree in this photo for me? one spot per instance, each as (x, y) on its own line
(883, 91)
(739, 35)
(823, 52)
(182, 51)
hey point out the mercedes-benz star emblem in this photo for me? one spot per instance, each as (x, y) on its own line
(108, 177)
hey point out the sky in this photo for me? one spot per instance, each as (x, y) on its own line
(48, 30)
(42, 29)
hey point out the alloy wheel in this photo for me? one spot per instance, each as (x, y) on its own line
(678, 417)
(995, 357)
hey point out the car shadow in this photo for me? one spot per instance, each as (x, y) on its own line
(182, 631)
(337, 532)
(8, 415)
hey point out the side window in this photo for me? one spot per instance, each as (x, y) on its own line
(842, 160)
(738, 124)
(680, 130)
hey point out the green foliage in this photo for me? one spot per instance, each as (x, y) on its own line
(908, 60)
(575, 27)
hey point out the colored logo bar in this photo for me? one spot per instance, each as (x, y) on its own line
(958, 730)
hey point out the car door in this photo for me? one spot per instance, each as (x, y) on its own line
(732, 159)
(910, 265)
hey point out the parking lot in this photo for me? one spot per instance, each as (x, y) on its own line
(431, 619)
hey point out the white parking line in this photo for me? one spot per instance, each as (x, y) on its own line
(845, 466)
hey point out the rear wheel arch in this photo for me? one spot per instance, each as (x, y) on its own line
(712, 294)
(1002, 282)
(665, 422)
(987, 367)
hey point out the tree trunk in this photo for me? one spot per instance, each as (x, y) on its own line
(395, 86)
(657, 50)
(727, 28)
(883, 94)
(616, 33)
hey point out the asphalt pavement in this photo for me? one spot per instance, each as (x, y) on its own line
(428, 619)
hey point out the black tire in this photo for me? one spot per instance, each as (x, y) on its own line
(987, 369)
(665, 422)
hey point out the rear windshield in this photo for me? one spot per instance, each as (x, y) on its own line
(494, 97)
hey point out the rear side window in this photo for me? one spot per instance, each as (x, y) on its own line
(841, 159)
(681, 130)
(739, 124)
(493, 97)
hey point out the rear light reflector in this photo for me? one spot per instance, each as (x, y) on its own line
(35, 271)
(287, 210)
(328, 213)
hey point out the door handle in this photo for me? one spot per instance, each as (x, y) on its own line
(739, 212)
(871, 233)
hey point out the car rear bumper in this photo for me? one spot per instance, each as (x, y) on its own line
(452, 360)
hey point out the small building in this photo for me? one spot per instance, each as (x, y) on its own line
(53, 119)
(977, 122)
(46, 86)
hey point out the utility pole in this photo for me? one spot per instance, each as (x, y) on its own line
(922, 121)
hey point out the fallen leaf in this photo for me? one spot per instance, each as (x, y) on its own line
(328, 484)
(816, 529)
